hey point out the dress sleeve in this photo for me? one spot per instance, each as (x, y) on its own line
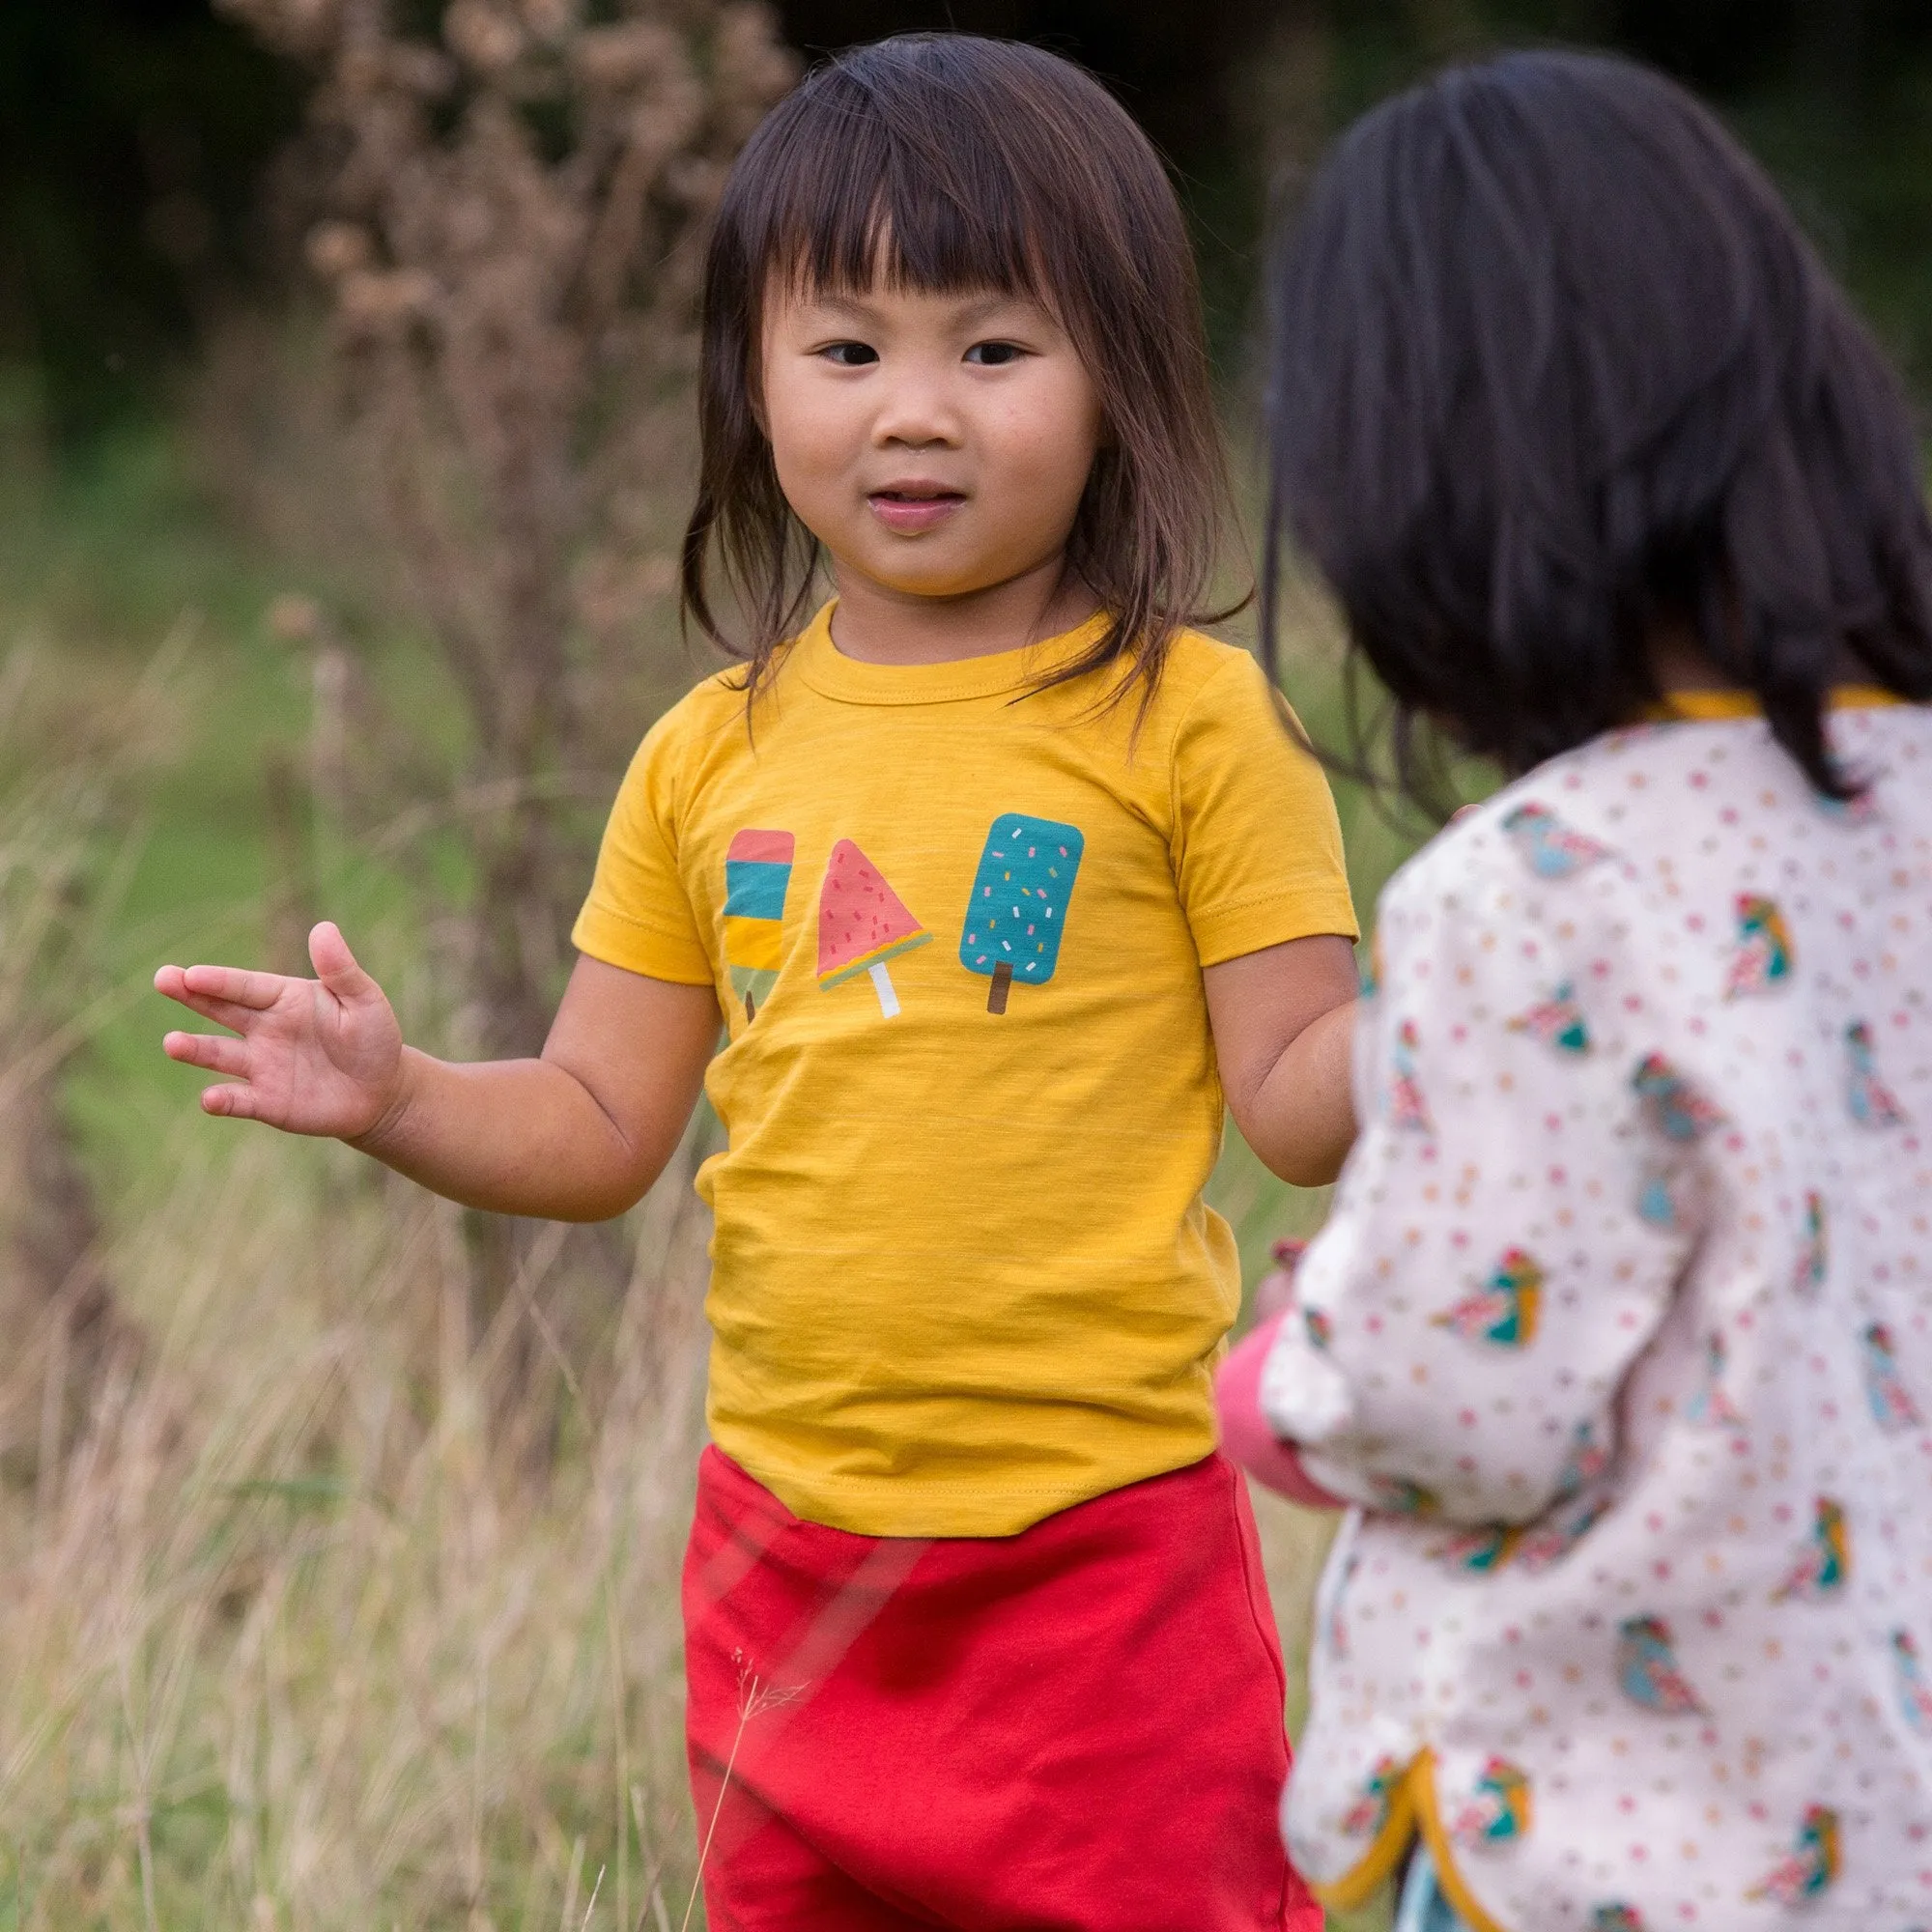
(1510, 1228)
(639, 914)
(1257, 844)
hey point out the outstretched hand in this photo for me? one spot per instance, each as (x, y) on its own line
(320, 1056)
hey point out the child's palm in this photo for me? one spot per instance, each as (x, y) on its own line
(320, 1056)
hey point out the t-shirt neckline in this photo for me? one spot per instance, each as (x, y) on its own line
(822, 666)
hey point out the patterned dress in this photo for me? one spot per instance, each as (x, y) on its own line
(1620, 1334)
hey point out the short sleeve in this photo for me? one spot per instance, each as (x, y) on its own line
(1508, 1232)
(639, 916)
(1258, 846)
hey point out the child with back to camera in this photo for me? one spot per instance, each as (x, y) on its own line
(1001, 877)
(1619, 1337)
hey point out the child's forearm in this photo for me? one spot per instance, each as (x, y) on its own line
(513, 1136)
(1300, 1120)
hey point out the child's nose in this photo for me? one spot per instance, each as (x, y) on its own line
(918, 414)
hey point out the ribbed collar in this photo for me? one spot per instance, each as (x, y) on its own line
(818, 661)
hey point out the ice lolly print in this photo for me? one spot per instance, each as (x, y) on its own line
(862, 923)
(757, 875)
(1018, 908)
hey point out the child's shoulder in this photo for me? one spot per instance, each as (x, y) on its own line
(1556, 823)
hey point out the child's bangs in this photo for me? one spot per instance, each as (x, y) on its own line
(858, 207)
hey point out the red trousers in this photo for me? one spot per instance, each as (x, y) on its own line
(1076, 1727)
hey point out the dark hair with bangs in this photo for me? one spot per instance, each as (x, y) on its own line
(1553, 366)
(943, 162)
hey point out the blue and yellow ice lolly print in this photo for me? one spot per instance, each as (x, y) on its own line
(1018, 909)
(757, 875)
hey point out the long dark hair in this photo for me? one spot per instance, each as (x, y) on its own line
(1552, 365)
(941, 163)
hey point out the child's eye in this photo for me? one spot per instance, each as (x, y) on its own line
(849, 355)
(994, 354)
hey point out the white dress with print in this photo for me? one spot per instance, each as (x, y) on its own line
(1621, 1334)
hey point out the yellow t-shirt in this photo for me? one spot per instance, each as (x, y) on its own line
(962, 1272)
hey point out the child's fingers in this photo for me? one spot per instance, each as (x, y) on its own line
(336, 966)
(223, 1013)
(213, 1050)
(233, 1102)
(233, 983)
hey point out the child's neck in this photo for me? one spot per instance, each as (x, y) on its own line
(877, 623)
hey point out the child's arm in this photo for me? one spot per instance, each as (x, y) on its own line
(1510, 1231)
(576, 1135)
(1283, 1023)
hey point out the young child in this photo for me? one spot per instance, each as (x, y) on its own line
(1619, 1337)
(1001, 879)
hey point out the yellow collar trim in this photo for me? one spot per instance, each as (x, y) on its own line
(1705, 707)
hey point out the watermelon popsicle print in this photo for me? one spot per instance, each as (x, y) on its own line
(1018, 909)
(757, 875)
(862, 923)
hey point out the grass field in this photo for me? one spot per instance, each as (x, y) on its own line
(291, 1638)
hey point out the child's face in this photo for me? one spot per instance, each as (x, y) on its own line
(936, 445)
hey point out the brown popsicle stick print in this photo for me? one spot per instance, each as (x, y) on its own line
(996, 993)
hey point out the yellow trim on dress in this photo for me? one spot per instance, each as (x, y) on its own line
(1707, 707)
(1354, 1889)
(1412, 1809)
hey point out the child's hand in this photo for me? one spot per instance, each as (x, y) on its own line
(320, 1056)
(1274, 1292)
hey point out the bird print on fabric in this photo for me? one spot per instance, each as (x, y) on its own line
(1915, 1692)
(1498, 1810)
(1709, 1407)
(1762, 960)
(1549, 848)
(1672, 1105)
(1557, 1022)
(1505, 1309)
(1407, 1107)
(1812, 1864)
(1893, 1408)
(1588, 1459)
(1553, 1538)
(1478, 1551)
(1397, 1495)
(1366, 1816)
(1870, 1099)
(1616, 1917)
(1826, 1566)
(1320, 1327)
(1657, 1198)
(1335, 1627)
(1648, 1670)
(1814, 1254)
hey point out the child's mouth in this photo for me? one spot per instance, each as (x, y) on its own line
(908, 508)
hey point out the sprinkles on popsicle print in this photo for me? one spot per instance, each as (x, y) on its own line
(1018, 911)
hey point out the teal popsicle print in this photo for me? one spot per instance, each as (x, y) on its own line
(1018, 908)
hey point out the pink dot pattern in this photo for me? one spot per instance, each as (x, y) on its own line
(1627, 1349)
